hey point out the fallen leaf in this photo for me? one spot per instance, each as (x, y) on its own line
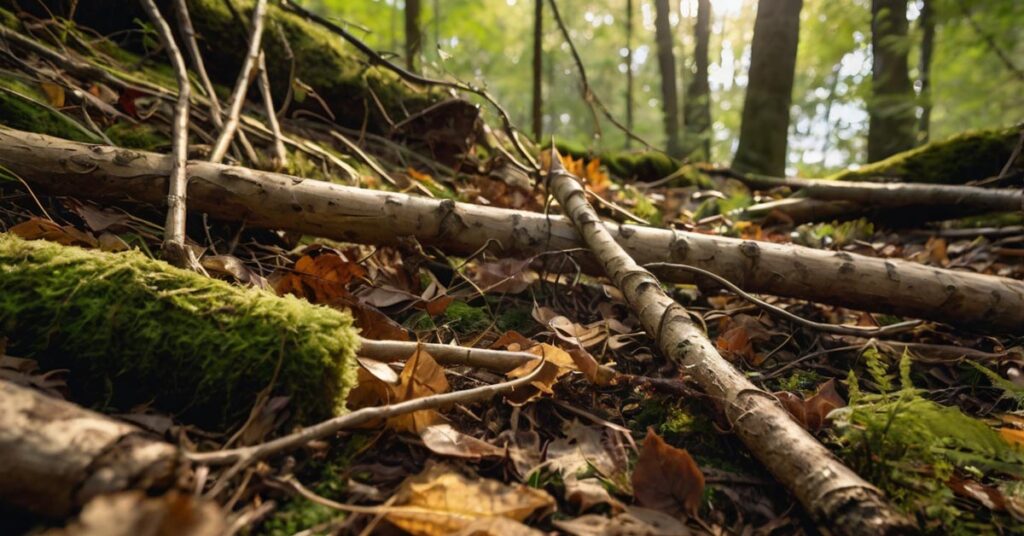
(40, 229)
(372, 323)
(112, 243)
(812, 412)
(666, 478)
(54, 94)
(420, 377)
(229, 265)
(523, 448)
(320, 276)
(379, 370)
(133, 513)
(513, 341)
(576, 334)
(595, 372)
(1013, 436)
(573, 456)
(634, 521)
(441, 501)
(507, 276)
(558, 363)
(444, 440)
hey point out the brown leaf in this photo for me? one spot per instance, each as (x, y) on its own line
(513, 341)
(112, 243)
(632, 522)
(54, 94)
(666, 478)
(573, 456)
(595, 372)
(576, 334)
(40, 229)
(229, 265)
(133, 513)
(441, 501)
(558, 363)
(812, 412)
(322, 276)
(511, 276)
(444, 440)
(420, 377)
(374, 324)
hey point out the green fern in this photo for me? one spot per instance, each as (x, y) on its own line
(1010, 389)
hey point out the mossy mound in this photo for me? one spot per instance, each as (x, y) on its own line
(133, 330)
(647, 166)
(20, 110)
(968, 156)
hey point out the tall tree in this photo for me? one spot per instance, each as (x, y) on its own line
(629, 69)
(765, 123)
(413, 36)
(927, 22)
(667, 66)
(697, 106)
(892, 124)
(537, 107)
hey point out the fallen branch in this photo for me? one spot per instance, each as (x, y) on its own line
(445, 354)
(834, 495)
(277, 201)
(244, 456)
(174, 229)
(875, 194)
(249, 66)
(56, 456)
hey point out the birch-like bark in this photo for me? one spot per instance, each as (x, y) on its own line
(835, 496)
(278, 201)
(55, 456)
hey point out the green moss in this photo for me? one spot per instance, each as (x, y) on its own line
(643, 166)
(965, 157)
(18, 110)
(137, 136)
(133, 330)
(515, 318)
(465, 318)
(9, 19)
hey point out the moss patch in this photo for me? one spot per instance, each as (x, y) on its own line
(134, 330)
(642, 166)
(18, 110)
(965, 157)
(138, 136)
(465, 318)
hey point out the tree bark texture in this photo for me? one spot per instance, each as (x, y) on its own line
(894, 194)
(55, 456)
(891, 119)
(765, 123)
(277, 201)
(667, 66)
(834, 495)
(697, 109)
(413, 35)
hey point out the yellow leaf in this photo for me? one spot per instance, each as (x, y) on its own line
(54, 94)
(558, 363)
(1013, 436)
(420, 377)
(440, 501)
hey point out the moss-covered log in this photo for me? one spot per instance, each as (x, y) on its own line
(647, 166)
(969, 156)
(133, 331)
(357, 93)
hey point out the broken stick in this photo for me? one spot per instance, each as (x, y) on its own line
(834, 495)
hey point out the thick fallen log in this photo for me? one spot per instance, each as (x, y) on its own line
(132, 330)
(278, 201)
(56, 456)
(893, 195)
(835, 496)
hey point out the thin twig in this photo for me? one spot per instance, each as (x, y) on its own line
(376, 58)
(268, 102)
(244, 456)
(446, 354)
(779, 311)
(589, 96)
(249, 66)
(174, 228)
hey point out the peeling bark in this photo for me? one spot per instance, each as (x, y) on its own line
(833, 494)
(277, 201)
(56, 456)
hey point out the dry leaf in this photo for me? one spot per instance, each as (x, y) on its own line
(666, 478)
(444, 440)
(420, 377)
(513, 341)
(440, 501)
(112, 243)
(576, 334)
(633, 522)
(374, 324)
(558, 363)
(574, 455)
(229, 265)
(54, 94)
(595, 372)
(510, 276)
(1013, 436)
(320, 276)
(133, 513)
(497, 526)
(811, 413)
(379, 370)
(38, 228)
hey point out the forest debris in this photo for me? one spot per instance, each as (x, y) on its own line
(55, 456)
(557, 363)
(134, 330)
(812, 412)
(634, 521)
(420, 377)
(447, 441)
(359, 215)
(666, 478)
(441, 501)
(133, 513)
(573, 456)
(38, 228)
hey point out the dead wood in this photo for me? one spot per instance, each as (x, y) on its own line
(56, 456)
(834, 495)
(277, 201)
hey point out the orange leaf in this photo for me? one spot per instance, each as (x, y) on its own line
(666, 478)
(1013, 436)
(811, 413)
(40, 229)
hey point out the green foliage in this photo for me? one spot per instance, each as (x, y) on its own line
(19, 110)
(138, 136)
(1010, 390)
(910, 446)
(133, 330)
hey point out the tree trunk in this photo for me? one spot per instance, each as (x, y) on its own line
(927, 22)
(537, 106)
(629, 70)
(667, 66)
(835, 496)
(765, 123)
(697, 110)
(891, 121)
(413, 36)
(55, 456)
(277, 201)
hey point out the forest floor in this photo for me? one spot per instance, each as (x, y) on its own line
(615, 440)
